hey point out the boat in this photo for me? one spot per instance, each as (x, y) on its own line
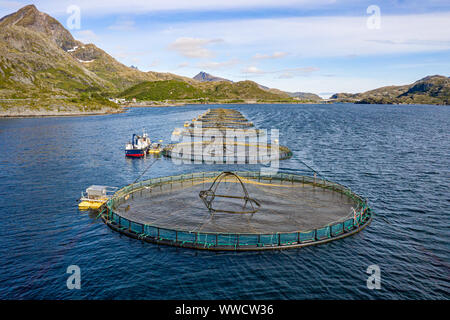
(138, 147)
(95, 197)
(156, 147)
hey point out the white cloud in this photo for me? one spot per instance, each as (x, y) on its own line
(154, 63)
(183, 65)
(301, 70)
(86, 36)
(284, 73)
(328, 36)
(253, 70)
(122, 53)
(217, 65)
(275, 55)
(193, 47)
(123, 25)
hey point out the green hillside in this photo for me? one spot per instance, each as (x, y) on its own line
(242, 90)
(163, 90)
(429, 90)
(211, 91)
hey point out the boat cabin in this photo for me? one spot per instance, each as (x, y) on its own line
(95, 196)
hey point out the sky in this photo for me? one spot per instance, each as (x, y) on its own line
(318, 46)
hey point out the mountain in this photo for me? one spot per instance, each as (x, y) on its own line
(42, 65)
(33, 61)
(429, 90)
(206, 77)
(305, 96)
(30, 18)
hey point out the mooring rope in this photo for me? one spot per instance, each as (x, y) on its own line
(321, 175)
(311, 168)
(148, 167)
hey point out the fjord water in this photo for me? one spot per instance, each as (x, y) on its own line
(395, 156)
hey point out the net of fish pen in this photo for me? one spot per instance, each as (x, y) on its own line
(237, 211)
(222, 118)
(219, 151)
(221, 132)
(223, 124)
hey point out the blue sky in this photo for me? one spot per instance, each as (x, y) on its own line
(319, 46)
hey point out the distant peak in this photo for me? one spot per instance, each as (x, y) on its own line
(27, 10)
(204, 77)
(203, 74)
(29, 7)
(17, 18)
(14, 17)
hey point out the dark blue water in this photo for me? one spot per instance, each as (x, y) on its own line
(396, 156)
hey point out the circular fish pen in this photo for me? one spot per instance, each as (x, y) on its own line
(219, 151)
(237, 211)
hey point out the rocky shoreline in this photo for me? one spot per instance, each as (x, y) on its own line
(33, 113)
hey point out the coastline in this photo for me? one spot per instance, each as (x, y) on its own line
(151, 104)
(11, 114)
(53, 114)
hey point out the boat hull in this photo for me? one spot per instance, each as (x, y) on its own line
(135, 153)
(90, 205)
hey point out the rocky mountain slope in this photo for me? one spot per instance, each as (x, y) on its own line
(41, 64)
(40, 60)
(33, 62)
(429, 90)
